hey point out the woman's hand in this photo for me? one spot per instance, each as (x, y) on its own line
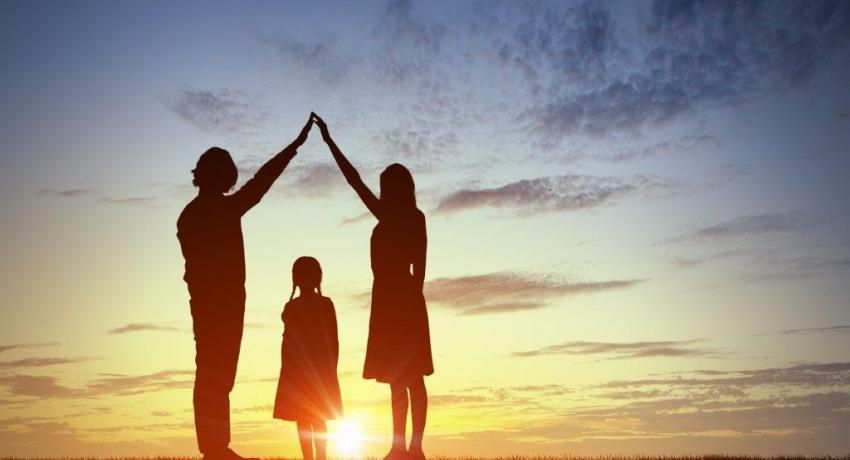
(323, 127)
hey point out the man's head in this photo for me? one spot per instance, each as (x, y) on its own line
(215, 172)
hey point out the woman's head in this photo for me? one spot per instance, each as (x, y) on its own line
(215, 172)
(306, 275)
(397, 187)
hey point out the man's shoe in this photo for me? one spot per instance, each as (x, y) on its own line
(230, 455)
(225, 454)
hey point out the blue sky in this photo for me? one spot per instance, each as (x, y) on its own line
(637, 212)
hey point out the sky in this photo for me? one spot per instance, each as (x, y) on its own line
(638, 217)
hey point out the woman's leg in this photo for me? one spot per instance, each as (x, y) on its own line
(418, 413)
(399, 403)
(320, 437)
(305, 438)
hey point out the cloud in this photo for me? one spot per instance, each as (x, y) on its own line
(35, 386)
(451, 400)
(417, 144)
(668, 147)
(815, 330)
(26, 346)
(407, 43)
(39, 362)
(625, 350)
(104, 385)
(753, 225)
(548, 194)
(139, 327)
(355, 219)
(812, 375)
(223, 111)
(503, 292)
(119, 384)
(140, 201)
(69, 193)
(589, 72)
(314, 180)
(100, 197)
(318, 59)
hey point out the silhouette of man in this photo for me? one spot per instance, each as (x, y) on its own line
(210, 234)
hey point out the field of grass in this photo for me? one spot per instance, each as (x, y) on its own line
(515, 457)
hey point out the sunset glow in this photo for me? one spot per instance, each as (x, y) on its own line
(638, 218)
(348, 438)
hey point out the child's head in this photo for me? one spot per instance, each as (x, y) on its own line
(306, 275)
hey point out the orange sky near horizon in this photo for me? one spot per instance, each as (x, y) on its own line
(639, 239)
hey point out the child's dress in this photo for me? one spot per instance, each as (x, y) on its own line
(308, 388)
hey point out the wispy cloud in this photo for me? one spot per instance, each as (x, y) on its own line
(407, 42)
(140, 201)
(68, 193)
(623, 350)
(320, 59)
(503, 292)
(814, 330)
(752, 225)
(223, 111)
(120, 384)
(684, 56)
(39, 362)
(802, 375)
(314, 180)
(35, 386)
(104, 385)
(355, 219)
(140, 327)
(548, 194)
(416, 144)
(26, 346)
(99, 196)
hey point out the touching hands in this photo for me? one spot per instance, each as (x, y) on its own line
(323, 127)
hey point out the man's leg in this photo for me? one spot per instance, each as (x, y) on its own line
(218, 337)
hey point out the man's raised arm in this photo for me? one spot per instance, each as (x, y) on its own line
(253, 191)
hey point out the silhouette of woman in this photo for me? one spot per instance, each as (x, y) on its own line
(398, 351)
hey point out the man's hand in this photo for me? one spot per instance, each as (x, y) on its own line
(323, 127)
(302, 136)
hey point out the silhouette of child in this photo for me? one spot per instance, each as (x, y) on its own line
(308, 388)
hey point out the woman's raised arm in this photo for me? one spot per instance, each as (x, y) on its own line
(351, 175)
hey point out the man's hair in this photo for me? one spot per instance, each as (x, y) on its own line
(215, 170)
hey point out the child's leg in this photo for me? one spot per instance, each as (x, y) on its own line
(320, 432)
(305, 438)
(418, 412)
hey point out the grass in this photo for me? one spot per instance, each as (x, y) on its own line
(509, 457)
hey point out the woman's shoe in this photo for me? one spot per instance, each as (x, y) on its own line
(396, 454)
(415, 455)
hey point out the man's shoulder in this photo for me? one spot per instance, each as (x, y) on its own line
(187, 213)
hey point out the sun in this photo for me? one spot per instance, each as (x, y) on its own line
(348, 437)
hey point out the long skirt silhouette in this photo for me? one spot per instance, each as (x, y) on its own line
(399, 346)
(308, 388)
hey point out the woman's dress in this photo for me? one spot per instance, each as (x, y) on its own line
(308, 388)
(399, 346)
